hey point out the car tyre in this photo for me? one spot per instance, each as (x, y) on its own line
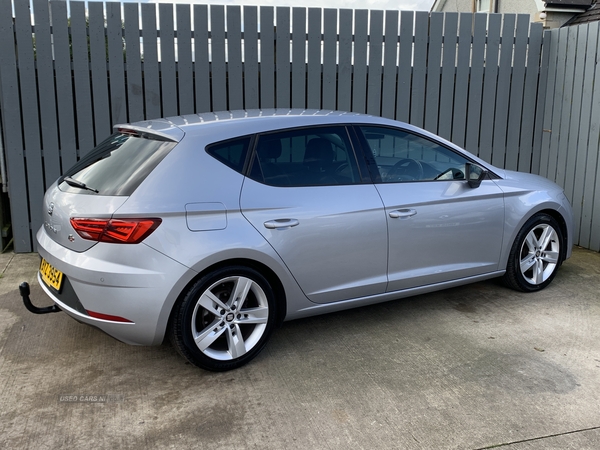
(536, 254)
(224, 319)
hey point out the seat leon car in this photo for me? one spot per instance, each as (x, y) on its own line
(212, 229)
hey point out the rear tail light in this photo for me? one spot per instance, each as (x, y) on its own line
(121, 231)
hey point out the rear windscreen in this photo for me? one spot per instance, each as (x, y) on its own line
(118, 165)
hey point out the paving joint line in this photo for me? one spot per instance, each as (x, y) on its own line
(539, 438)
(5, 268)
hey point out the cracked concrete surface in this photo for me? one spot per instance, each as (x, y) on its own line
(473, 367)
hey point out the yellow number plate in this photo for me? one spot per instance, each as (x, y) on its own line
(51, 276)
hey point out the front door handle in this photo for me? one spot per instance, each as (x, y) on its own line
(402, 213)
(281, 224)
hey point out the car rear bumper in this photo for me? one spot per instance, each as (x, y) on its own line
(133, 282)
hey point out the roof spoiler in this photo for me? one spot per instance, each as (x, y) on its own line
(148, 133)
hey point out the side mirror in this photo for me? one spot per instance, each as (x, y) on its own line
(474, 174)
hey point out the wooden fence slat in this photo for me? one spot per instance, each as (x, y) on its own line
(419, 76)
(459, 114)
(313, 94)
(434, 62)
(551, 41)
(557, 111)
(114, 37)
(503, 91)
(251, 57)
(329, 87)
(64, 85)
(81, 78)
(344, 87)
(168, 78)
(375, 63)
(530, 95)
(151, 70)
(219, 69)
(490, 77)
(476, 85)
(234, 57)
(46, 92)
(11, 130)
(563, 141)
(201, 60)
(267, 57)
(298, 57)
(390, 66)
(515, 106)
(185, 66)
(448, 78)
(30, 113)
(359, 81)
(404, 66)
(133, 56)
(282, 55)
(98, 66)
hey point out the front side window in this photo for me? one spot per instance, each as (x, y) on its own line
(318, 156)
(118, 165)
(402, 156)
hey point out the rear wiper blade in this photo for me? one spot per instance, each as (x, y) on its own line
(78, 184)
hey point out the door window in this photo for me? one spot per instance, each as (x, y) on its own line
(402, 156)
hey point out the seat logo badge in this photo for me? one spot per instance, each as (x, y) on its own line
(50, 209)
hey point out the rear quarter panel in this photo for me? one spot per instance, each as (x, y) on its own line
(189, 176)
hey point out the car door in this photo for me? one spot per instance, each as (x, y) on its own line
(308, 197)
(440, 228)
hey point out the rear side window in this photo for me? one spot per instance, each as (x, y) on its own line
(231, 153)
(316, 156)
(118, 165)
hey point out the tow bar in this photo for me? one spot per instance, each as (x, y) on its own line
(24, 291)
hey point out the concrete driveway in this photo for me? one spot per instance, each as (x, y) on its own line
(473, 367)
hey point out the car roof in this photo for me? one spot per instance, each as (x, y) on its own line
(219, 124)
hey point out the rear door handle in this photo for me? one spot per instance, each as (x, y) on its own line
(402, 213)
(280, 224)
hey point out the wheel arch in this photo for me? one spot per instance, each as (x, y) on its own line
(556, 215)
(545, 209)
(263, 269)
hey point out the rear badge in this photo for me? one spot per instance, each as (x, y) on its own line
(71, 238)
(50, 209)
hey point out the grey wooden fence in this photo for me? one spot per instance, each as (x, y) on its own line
(473, 79)
(571, 132)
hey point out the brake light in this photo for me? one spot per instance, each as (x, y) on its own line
(128, 131)
(120, 231)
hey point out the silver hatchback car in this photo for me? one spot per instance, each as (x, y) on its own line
(212, 229)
